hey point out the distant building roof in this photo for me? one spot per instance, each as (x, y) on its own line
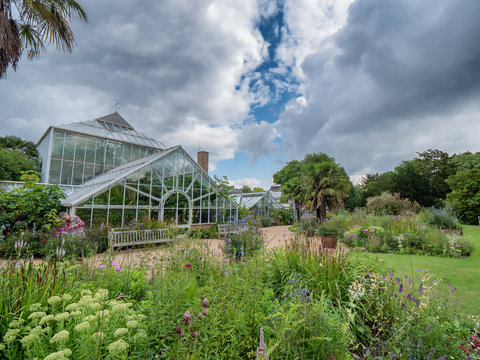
(115, 119)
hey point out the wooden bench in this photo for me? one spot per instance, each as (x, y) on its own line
(225, 229)
(127, 237)
(274, 221)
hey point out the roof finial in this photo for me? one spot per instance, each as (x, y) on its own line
(116, 106)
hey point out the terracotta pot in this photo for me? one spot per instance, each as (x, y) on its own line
(329, 242)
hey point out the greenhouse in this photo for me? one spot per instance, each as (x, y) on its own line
(115, 174)
(169, 186)
(260, 201)
(75, 153)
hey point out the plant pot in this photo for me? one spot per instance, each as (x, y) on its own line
(329, 242)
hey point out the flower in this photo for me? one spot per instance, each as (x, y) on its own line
(178, 330)
(102, 266)
(60, 337)
(188, 266)
(71, 307)
(54, 300)
(121, 296)
(82, 327)
(186, 318)
(118, 347)
(62, 316)
(120, 332)
(118, 268)
(132, 324)
(205, 303)
(114, 264)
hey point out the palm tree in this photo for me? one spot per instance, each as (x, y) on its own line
(323, 183)
(31, 24)
(15, 143)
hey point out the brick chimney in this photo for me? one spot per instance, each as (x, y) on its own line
(202, 160)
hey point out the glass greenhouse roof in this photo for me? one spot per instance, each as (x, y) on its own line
(100, 183)
(112, 127)
(249, 200)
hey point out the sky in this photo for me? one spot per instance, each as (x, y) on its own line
(258, 83)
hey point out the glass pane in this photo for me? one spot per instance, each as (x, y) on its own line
(90, 156)
(77, 173)
(67, 173)
(118, 154)
(135, 152)
(98, 169)
(58, 144)
(109, 157)
(80, 149)
(100, 152)
(88, 173)
(127, 155)
(69, 147)
(55, 166)
(116, 195)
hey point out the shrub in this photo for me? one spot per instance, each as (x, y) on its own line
(388, 204)
(244, 241)
(441, 218)
(210, 232)
(285, 216)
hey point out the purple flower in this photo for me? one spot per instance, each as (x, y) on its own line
(400, 288)
(114, 263)
(118, 268)
(186, 318)
(102, 266)
(121, 296)
(205, 303)
(178, 330)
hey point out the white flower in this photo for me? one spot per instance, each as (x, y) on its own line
(62, 316)
(59, 355)
(132, 324)
(60, 337)
(36, 315)
(29, 340)
(35, 307)
(54, 300)
(72, 307)
(120, 332)
(16, 323)
(86, 292)
(101, 295)
(66, 297)
(10, 336)
(82, 327)
(98, 336)
(90, 318)
(46, 318)
(118, 347)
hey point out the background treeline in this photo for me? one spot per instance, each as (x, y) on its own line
(432, 179)
(17, 155)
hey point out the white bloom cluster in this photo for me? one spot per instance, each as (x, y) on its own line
(118, 347)
(54, 300)
(60, 337)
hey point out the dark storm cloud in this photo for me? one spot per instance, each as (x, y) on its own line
(394, 66)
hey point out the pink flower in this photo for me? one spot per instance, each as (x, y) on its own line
(118, 268)
(102, 266)
(188, 266)
(114, 263)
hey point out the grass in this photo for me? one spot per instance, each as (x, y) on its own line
(462, 273)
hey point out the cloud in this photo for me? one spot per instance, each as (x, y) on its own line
(258, 139)
(252, 182)
(396, 78)
(179, 69)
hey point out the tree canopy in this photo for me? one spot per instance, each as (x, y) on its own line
(31, 25)
(465, 195)
(316, 182)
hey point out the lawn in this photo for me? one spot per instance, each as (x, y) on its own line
(462, 273)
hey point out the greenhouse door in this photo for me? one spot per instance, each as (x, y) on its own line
(176, 208)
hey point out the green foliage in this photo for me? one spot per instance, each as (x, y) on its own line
(355, 198)
(323, 182)
(258, 189)
(246, 189)
(441, 218)
(285, 216)
(388, 204)
(210, 232)
(31, 203)
(19, 145)
(14, 163)
(376, 184)
(23, 284)
(465, 195)
(245, 240)
(466, 161)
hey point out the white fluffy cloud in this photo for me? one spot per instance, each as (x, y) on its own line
(252, 182)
